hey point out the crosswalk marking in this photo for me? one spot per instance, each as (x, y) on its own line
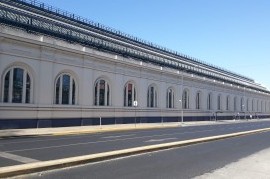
(17, 158)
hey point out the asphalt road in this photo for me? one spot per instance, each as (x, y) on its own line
(185, 162)
(26, 150)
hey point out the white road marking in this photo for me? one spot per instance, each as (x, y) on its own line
(159, 140)
(17, 158)
(118, 136)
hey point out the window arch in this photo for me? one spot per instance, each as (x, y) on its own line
(219, 102)
(102, 93)
(198, 100)
(228, 103)
(17, 86)
(209, 101)
(185, 99)
(170, 98)
(130, 94)
(65, 89)
(152, 96)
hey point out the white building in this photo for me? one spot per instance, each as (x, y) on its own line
(58, 69)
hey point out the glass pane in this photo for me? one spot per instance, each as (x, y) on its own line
(209, 101)
(65, 89)
(218, 102)
(96, 94)
(173, 100)
(135, 94)
(6, 87)
(197, 101)
(129, 94)
(73, 92)
(17, 85)
(227, 104)
(101, 92)
(125, 97)
(57, 91)
(167, 99)
(108, 95)
(152, 97)
(185, 100)
(155, 98)
(170, 99)
(235, 104)
(148, 98)
(27, 91)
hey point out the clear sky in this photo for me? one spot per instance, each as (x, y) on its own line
(232, 34)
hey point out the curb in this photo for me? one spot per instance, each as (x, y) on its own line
(67, 162)
(84, 131)
(112, 130)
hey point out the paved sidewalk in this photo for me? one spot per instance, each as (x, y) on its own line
(253, 166)
(106, 128)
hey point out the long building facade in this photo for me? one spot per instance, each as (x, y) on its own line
(58, 69)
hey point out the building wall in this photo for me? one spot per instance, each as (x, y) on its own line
(46, 58)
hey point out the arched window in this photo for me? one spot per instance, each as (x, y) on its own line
(185, 101)
(102, 93)
(235, 103)
(227, 103)
(17, 86)
(242, 107)
(198, 100)
(209, 101)
(170, 98)
(219, 102)
(152, 96)
(65, 89)
(130, 94)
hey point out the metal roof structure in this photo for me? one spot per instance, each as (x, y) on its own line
(37, 17)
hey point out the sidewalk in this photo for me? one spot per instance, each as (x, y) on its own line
(106, 128)
(253, 166)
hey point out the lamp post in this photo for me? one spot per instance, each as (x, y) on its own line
(243, 108)
(244, 102)
(182, 119)
(135, 104)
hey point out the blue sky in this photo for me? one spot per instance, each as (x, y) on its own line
(232, 34)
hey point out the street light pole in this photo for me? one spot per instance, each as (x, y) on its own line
(182, 112)
(244, 103)
(135, 104)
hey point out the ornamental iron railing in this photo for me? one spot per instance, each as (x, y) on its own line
(36, 23)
